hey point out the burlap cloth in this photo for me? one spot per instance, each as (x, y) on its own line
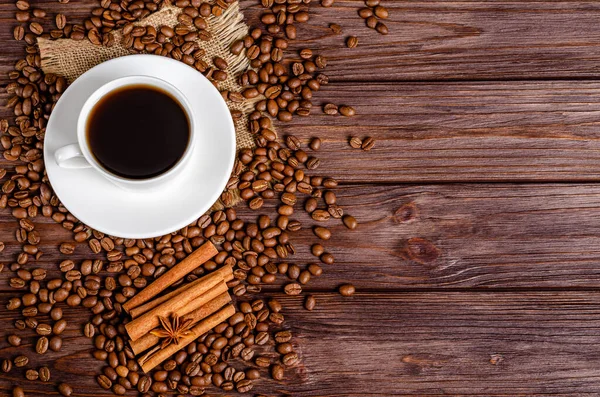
(71, 58)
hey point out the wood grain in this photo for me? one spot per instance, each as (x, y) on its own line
(473, 236)
(429, 40)
(454, 132)
(390, 344)
(458, 40)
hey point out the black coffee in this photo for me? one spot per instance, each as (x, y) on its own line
(138, 132)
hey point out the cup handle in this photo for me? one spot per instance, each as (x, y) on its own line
(70, 156)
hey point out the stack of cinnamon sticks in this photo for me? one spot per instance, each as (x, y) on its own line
(193, 309)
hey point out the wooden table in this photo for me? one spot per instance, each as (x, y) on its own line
(486, 116)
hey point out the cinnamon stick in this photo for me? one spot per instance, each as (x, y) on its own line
(192, 261)
(147, 341)
(151, 361)
(138, 311)
(149, 320)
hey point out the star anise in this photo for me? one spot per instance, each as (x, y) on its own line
(172, 331)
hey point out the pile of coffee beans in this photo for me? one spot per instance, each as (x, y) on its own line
(258, 249)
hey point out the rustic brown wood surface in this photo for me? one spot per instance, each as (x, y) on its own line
(476, 260)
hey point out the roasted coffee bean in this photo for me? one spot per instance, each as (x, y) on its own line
(65, 389)
(18, 391)
(346, 289)
(335, 28)
(32, 374)
(55, 343)
(347, 111)
(365, 12)
(322, 232)
(381, 28)
(88, 330)
(310, 302)
(293, 289)
(6, 366)
(315, 144)
(368, 143)
(327, 258)
(44, 374)
(381, 12)
(350, 222)
(277, 372)
(41, 347)
(67, 248)
(320, 215)
(20, 361)
(44, 329)
(352, 42)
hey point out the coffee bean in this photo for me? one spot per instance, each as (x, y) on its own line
(36, 28)
(381, 28)
(32, 374)
(277, 372)
(327, 258)
(315, 144)
(320, 215)
(313, 163)
(290, 359)
(346, 290)
(371, 22)
(350, 222)
(58, 327)
(244, 386)
(14, 340)
(327, 3)
(256, 203)
(352, 42)
(44, 329)
(22, 5)
(60, 21)
(41, 347)
(144, 384)
(365, 13)
(347, 111)
(6, 366)
(310, 302)
(368, 143)
(88, 330)
(381, 12)
(55, 343)
(19, 32)
(335, 28)
(18, 391)
(65, 389)
(322, 232)
(293, 289)
(20, 361)
(67, 248)
(95, 246)
(355, 142)
(44, 374)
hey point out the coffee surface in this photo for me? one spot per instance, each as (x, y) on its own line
(138, 132)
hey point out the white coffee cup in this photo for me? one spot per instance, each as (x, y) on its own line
(78, 155)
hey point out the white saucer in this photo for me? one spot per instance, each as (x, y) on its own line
(105, 207)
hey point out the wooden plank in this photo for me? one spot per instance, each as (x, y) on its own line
(454, 132)
(458, 40)
(425, 344)
(457, 132)
(429, 40)
(474, 236)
